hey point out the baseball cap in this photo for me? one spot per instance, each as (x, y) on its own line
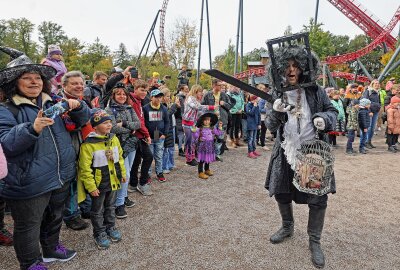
(156, 92)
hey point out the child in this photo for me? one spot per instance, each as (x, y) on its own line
(6, 238)
(169, 143)
(363, 122)
(352, 124)
(339, 129)
(393, 123)
(157, 122)
(253, 124)
(101, 168)
(54, 59)
(203, 138)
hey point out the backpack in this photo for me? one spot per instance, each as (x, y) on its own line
(12, 108)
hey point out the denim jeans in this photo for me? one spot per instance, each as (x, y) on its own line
(181, 139)
(157, 149)
(37, 219)
(122, 193)
(218, 144)
(244, 129)
(144, 156)
(189, 149)
(371, 128)
(168, 158)
(251, 140)
(102, 213)
(363, 139)
(350, 139)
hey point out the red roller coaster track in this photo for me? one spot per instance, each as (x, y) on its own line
(364, 19)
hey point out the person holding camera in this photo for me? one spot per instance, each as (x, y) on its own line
(184, 76)
(41, 160)
(96, 88)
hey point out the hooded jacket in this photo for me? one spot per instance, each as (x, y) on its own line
(37, 163)
(95, 169)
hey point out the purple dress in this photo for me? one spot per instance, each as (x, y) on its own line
(203, 139)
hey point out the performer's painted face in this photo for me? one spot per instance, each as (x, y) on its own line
(292, 72)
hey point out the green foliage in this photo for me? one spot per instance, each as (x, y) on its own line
(50, 33)
(320, 40)
(226, 61)
(121, 57)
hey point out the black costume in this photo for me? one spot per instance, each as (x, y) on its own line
(280, 172)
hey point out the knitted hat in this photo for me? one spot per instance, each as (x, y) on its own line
(53, 49)
(99, 116)
(156, 74)
(365, 102)
(395, 99)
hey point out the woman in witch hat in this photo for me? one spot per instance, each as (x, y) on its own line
(40, 157)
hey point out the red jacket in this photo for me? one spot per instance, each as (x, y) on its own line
(136, 104)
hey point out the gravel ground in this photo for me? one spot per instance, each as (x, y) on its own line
(225, 222)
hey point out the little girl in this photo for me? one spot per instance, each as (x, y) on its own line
(393, 123)
(340, 127)
(203, 138)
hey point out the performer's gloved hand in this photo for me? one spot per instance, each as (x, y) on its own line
(279, 106)
(319, 123)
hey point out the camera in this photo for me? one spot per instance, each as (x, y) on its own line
(189, 73)
(134, 73)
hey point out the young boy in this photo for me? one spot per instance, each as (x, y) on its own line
(101, 168)
(352, 124)
(169, 144)
(363, 122)
(253, 124)
(157, 122)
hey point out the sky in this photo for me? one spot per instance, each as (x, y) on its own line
(129, 21)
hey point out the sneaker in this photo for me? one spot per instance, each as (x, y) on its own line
(120, 212)
(192, 163)
(373, 146)
(60, 253)
(209, 172)
(202, 175)
(38, 266)
(128, 203)
(368, 145)
(76, 224)
(102, 241)
(256, 153)
(181, 153)
(251, 155)
(145, 190)
(166, 171)
(114, 234)
(161, 178)
(392, 149)
(349, 151)
(363, 151)
(219, 158)
(6, 238)
(131, 189)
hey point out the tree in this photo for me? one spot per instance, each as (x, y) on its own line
(182, 43)
(93, 54)
(19, 36)
(320, 40)
(226, 61)
(50, 33)
(121, 57)
(72, 55)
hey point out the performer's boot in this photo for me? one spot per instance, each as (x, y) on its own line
(287, 229)
(315, 225)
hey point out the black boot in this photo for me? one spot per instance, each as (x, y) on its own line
(315, 225)
(287, 229)
(368, 145)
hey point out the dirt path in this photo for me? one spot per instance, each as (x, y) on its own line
(225, 222)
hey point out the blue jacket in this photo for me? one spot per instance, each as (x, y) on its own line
(363, 118)
(37, 164)
(156, 119)
(253, 116)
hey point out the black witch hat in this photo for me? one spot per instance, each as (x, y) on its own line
(213, 119)
(22, 64)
